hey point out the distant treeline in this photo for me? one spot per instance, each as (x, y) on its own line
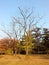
(35, 43)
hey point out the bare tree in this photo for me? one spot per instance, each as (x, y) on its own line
(9, 34)
(28, 24)
(23, 25)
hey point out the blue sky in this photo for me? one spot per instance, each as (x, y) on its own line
(9, 8)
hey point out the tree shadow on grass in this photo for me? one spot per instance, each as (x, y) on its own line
(45, 56)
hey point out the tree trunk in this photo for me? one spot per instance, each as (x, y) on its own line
(27, 48)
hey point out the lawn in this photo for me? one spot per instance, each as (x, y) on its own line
(23, 60)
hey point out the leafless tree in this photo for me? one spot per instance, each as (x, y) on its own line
(23, 25)
(9, 34)
(27, 23)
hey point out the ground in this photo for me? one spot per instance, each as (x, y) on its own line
(23, 60)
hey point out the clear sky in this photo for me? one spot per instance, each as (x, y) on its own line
(9, 8)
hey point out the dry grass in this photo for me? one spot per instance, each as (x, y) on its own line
(22, 60)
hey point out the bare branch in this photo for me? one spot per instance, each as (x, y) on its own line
(6, 33)
(29, 15)
(18, 21)
(22, 13)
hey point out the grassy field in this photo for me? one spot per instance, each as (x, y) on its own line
(23, 60)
